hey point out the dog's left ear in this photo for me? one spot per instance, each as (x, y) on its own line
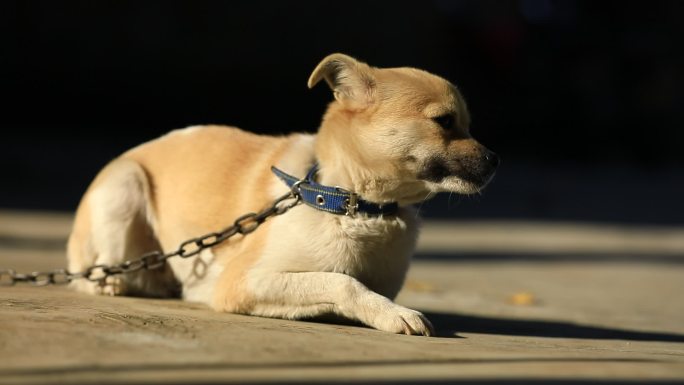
(352, 81)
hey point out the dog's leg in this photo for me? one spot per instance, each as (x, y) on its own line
(307, 294)
(117, 228)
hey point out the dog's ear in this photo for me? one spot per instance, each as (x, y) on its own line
(351, 81)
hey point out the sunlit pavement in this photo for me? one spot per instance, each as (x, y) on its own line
(512, 301)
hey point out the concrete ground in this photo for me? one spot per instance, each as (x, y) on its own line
(512, 302)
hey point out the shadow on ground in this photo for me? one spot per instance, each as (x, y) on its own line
(449, 325)
(540, 257)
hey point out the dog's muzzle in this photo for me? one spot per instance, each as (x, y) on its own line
(477, 170)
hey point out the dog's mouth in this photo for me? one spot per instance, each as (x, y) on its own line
(466, 175)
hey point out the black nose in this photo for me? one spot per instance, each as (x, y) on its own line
(492, 159)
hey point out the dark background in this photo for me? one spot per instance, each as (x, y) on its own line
(582, 99)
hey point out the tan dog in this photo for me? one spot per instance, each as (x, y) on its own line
(391, 135)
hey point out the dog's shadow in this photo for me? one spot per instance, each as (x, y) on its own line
(451, 325)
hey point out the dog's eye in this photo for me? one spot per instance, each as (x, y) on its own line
(446, 121)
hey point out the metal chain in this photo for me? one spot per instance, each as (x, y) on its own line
(156, 259)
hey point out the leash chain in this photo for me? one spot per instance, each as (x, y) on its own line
(156, 259)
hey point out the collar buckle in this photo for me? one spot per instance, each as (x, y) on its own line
(336, 200)
(295, 189)
(351, 204)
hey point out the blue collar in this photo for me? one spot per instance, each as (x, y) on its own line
(334, 200)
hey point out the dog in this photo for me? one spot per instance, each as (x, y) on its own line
(392, 137)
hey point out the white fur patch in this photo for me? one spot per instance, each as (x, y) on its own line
(198, 275)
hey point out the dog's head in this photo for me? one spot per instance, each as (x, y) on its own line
(398, 133)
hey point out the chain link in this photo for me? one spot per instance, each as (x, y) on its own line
(156, 259)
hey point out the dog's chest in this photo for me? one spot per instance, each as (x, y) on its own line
(376, 251)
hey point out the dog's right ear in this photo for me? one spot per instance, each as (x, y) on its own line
(351, 81)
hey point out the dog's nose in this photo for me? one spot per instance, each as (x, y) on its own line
(492, 159)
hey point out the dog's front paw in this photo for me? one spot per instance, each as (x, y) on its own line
(401, 320)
